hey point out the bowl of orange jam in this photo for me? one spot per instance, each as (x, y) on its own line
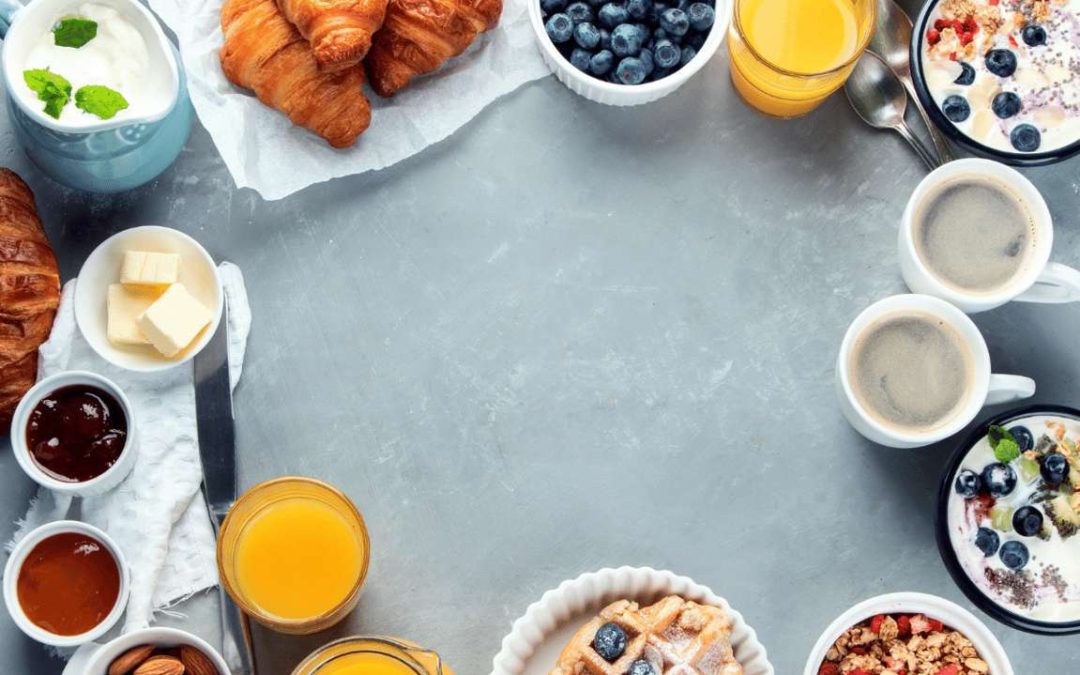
(293, 554)
(372, 655)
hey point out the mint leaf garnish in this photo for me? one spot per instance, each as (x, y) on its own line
(1006, 449)
(51, 88)
(99, 100)
(74, 32)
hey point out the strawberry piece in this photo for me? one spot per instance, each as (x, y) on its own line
(958, 26)
(941, 24)
(936, 626)
(861, 651)
(933, 36)
(829, 669)
(875, 623)
(903, 622)
(951, 669)
(952, 56)
(1013, 42)
(966, 37)
(858, 671)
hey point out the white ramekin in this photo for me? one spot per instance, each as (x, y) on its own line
(610, 93)
(94, 659)
(198, 273)
(948, 612)
(87, 488)
(14, 565)
(537, 638)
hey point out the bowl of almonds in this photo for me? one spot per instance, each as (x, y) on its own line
(151, 651)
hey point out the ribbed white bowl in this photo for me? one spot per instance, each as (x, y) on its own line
(537, 638)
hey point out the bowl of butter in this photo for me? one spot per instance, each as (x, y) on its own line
(148, 299)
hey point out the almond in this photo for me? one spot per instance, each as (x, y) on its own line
(160, 665)
(129, 660)
(196, 662)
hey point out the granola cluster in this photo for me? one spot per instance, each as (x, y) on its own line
(902, 645)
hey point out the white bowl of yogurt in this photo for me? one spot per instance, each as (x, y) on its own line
(999, 78)
(1008, 523)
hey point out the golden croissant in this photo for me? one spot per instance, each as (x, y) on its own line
(339, 31)
(418, 36)
(264, 52)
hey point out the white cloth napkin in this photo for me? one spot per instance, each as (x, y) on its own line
(265, 151)
(157, 515)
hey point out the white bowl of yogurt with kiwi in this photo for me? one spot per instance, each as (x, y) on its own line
(1001, 76)
(1009, 519)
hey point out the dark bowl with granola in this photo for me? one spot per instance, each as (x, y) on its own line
(1000, 76)
(912, 633)
(1008, 519)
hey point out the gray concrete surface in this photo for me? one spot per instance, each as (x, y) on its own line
(574, 336)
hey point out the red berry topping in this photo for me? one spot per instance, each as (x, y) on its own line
(903, 622)
(951, 669)
(933, 36)
(829, 669)
(875, 623)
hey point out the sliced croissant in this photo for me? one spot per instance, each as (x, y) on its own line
(418, 36)
(264, 52)
(339, 31)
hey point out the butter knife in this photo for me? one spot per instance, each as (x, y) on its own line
(217, 449)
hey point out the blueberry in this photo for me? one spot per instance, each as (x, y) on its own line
(1005, 105)
(1025, 138)
(641, 667)
(695, 40)
(701, 16)
(956, 108)
(1001, 62)
(968, 484)
(688, 53)
(612, 15)
(655, 11)
(552, 6)
(1014, 555)
(586, 35)
(601, 62)
(559, 28)
(1054, 468)
(1027, 521)
(580, 59)
(639, 9)
(987, 541)
(610, 640)
(1023, 436)
(675, 21)
(661, 73)
(630, 70)
(666, 53)
(646, 57)
(579, 12)
(659, 34)
(998, 479)
(1034, 35)
(967, 74)
(626, 40)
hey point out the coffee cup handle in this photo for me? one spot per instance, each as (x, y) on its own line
(1008, 388)
(1057, 283)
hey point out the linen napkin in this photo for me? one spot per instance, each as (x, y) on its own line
(157, 515)
(265, 151)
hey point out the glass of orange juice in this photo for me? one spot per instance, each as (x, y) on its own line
(787, 56)
(372, 655)
(293, 554)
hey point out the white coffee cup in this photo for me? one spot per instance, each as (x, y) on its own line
(985, 388)
(1038, 281)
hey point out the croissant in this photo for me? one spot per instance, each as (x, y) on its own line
(339, 30)
(264, 52)
(418, 36)
(29, 292)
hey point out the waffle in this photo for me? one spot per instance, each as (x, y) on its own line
(675, 636)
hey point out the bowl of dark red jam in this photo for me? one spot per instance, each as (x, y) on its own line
(74, 432)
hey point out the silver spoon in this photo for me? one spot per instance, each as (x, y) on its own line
(892, 42)
(877, 96)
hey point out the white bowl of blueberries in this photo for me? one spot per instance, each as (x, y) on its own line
(628, 52)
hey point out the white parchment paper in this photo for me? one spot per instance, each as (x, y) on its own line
(265, 151)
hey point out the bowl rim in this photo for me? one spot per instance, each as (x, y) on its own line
(18, 557)
(163, 363)
(941, 525)
(1026, 159)
(664, 85)
(46, 386)
(905, 602)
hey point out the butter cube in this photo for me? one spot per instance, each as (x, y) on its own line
(173, 321)
(141, 268)
(125, 306)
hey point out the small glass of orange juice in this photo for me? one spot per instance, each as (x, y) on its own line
(372, 655)
(293, 554)
(787, 56)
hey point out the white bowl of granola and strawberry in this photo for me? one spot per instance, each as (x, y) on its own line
(910, 634)
(999, 76)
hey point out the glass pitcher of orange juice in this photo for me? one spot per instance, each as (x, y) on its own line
(372, 655)
(787, 56)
